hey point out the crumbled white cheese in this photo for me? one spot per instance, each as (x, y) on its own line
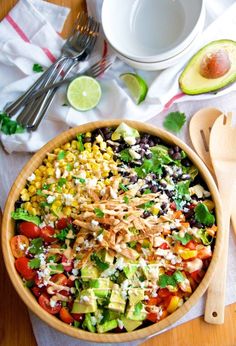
(78, 248)
(75, 272)
(113, 193)
(22, 246)
(130, 140)
(58, 173)
(94, 223)
(52, 303)
(93, 320)
(68, 198)
(31, 177)
(100, 237)
(120, 263)
(192, 266)
(134, 155)
(199, 191)
(120, 324)
(51, 199)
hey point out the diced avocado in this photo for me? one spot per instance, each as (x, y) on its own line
(151, 271)
(107, 258)
(87, 323)
(135, 295)
(130, 325)
(117, 302)
(124, 131)
(85, 302)
(130, 270)
(105, 327)
(89, 272)
(212, 68)
(136, 314)
(101, 287)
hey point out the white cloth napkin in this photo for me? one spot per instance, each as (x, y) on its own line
(28, 36)
(15, 65)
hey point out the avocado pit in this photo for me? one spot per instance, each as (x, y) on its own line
(215, 64)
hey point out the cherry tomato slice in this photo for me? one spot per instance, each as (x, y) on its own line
(191, 245)
(164, 292)
(47, 233)
(44, 302)
(78, 317)
(29, 229)
(36, 291)
(154, 301)
(59, 279)
(164, 246)
(67, 263)
(65, 316)
(152, 316)
(22, 266)
(197, 275)
(19, 245)
(63, 223)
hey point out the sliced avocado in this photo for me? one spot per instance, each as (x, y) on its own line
(130, 270)
(192, 81)
(135, 295)
(101, 287)
(136, 314)
(87, 323)
(85, 302)
(117, 302)
(124, 131)
(89, 272)
(151, 271)
(130, 325)
(105, 327)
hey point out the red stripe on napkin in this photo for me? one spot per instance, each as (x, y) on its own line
(172, 100)
(21, 33)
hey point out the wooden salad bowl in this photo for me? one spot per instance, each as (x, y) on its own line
(8, 232)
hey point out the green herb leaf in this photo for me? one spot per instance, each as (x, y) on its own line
(147, 191)
(40, 193)
(138, 308)
(65, 105)
(100, 264)
(80, 138)
(170, 280)
(125, 155)
(29, 283)
(34, 263)
(63, 234)
(98, 212)
(123, 187)
(94, 283)
(56, 268)
(147, 205)
(37, 68)
(52, 259)
(8, 126)
(21, 214)
(61, 155)
(61, 182)
(203, 215)
(126, 199)
(205, 237)
(174, 121)
(183, 240)
(36, 246)
(69, 167)
(132, 244)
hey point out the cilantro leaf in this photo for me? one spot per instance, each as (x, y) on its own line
(123, 187)
(147, 191)
(170, 280)
(80, 138)
(52, 258)
(34, 263)
(63, 234)
(61, 155)
(37, 68)
(21, 214)
(69, 167)
(147, 205)
(8, 126)
(98, 212)
(61, 182)
(138, 308)
(126, 199)
(56, 268)
(125, 155)
(183, 240)
(36, 246)
(174, 121)
(203, 215)
(182, 193)
(100, 264)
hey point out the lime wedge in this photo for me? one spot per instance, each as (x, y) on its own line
(137, 86)
(84, 93)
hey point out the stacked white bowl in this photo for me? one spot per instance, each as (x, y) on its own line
(152, 34)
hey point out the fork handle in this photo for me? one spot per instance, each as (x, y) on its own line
(215, 300)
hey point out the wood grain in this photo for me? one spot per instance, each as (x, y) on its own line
(15, 327)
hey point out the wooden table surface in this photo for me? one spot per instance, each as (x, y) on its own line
(15, 327)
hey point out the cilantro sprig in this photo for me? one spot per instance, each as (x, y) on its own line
(98, 212)
(99, 263)
(183, 240)
(9, 126)
(125, 155)
(21, 214)
(80, 144)
(37, 68)
(170, 280)
(174, 121)
(36, 246)
(203, 215)
(34, 263)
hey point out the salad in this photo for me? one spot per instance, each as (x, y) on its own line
(114, 230)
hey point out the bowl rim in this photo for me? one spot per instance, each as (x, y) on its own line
(8, 230)
(161, 56)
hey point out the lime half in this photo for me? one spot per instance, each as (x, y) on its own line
(137, 86)
(84, 93)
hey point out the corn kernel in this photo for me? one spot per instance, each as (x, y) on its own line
(95, 148)
(74, 144)
(109, 150)
(107, 182)
(103, 145)
(75, 203)
(66, 146)
(105, 174)
(25, 197)
(33, 198)
(38, 185)
(99, 139)
(66, 211)
(32, 189)
(50, 171)
(106, 156)
(88, 146)
(42, 168)
(88, 134)
(38, 173)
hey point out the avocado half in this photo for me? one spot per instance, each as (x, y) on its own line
(192, 82)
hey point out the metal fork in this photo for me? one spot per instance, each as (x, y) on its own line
(94, 71)
(73, 46)
(32, 111)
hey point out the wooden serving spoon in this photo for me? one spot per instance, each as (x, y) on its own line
(223, 155)
(199, 129)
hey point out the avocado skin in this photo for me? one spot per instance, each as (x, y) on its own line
(205, 85)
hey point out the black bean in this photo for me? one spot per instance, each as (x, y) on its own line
(133, 178)
(87, 139)
(185, 162)
(154, 188)
(177, 156)
(163, 205)
(176, 149)
(106, 130)
(115, 148)
(146, 214)
(169, 193)
(137, 140)
(171, 152)
(144, 139)
(149, 156)
(107, 135)
(153, 176)
(151, 143)
(185, 176)
(142, 152)
(156, 140)
(163, 183)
